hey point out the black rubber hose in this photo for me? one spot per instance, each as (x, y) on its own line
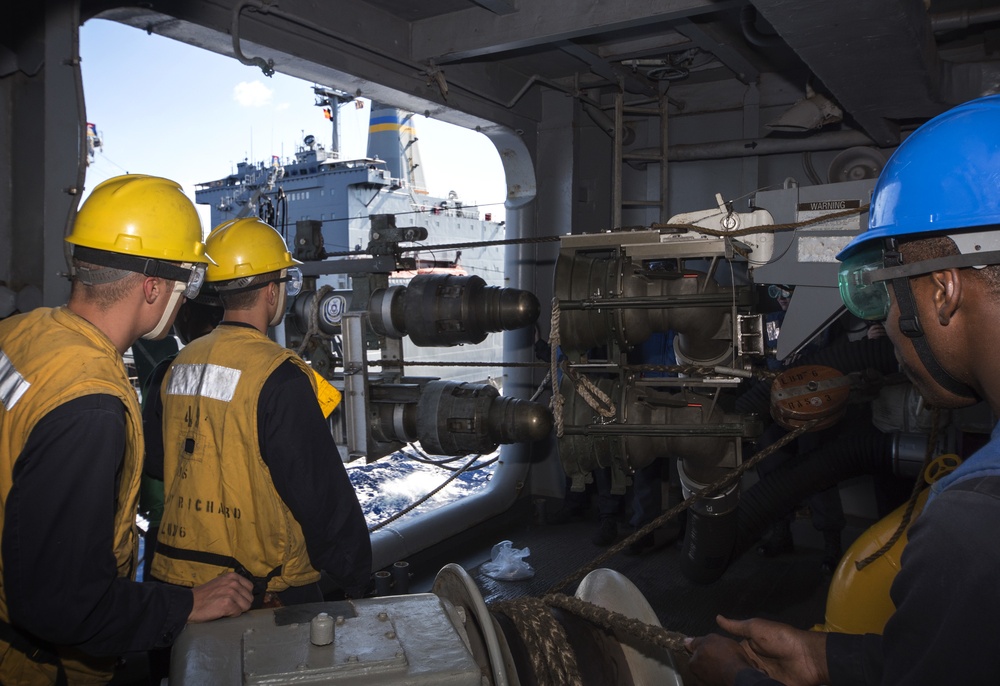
(708, 544)
(862, 450)
(712, 542)
(856, 356)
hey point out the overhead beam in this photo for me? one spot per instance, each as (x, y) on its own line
(319, 50)
(722, 46)
(497, 6)
(878, 59)
(649, 46)
(472, 33)
(633, 83)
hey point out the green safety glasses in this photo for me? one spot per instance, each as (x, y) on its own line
(862, 277)
(776, 291)
(864, 296)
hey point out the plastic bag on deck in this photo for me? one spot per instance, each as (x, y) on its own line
(508, 563)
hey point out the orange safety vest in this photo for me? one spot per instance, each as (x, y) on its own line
(221, 510)
(47, 358)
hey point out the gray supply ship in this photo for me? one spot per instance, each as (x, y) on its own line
(318, 185)
(679, 159)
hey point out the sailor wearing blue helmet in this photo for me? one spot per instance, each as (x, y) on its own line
(928, 268)
(940, 192)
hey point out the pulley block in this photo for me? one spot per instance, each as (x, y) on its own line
(809, 392)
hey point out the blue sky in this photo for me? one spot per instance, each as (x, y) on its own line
(169, 109)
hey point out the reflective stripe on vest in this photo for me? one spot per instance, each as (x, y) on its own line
(12, 384)
(76, 359)
(207, 380)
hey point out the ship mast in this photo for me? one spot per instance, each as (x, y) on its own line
(330, 100)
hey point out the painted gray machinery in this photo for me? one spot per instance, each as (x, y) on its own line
(617, 289)
(449, 637)
(339, 329)
(613, 290)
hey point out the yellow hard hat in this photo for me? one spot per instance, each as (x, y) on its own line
(246, 247)
(143, 216)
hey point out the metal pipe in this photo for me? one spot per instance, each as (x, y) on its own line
(402, 539)
(401, 577)
(754, 36)
(963, 19)
(383, 583)
(266, 66)
(355, 383)
(664, 106)
(835, 140)
(617, 150)
(406, 537)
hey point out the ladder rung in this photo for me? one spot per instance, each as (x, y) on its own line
(645, 156)
(644, 111)
(641, 203)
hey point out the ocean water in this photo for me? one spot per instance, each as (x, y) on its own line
(393, 483)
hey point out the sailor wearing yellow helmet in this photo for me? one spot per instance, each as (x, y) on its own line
(71, 446)
(253, 481)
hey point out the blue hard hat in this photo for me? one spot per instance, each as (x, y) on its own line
(944, 177)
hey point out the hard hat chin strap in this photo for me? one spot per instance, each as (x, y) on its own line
(909, 326)
(279, 311)
(167, 318)
(909, 323)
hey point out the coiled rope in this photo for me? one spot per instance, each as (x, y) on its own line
(545, 641)
(552, 659)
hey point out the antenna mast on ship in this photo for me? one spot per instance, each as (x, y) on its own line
(330, 100)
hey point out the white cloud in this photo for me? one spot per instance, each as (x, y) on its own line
(281, 107)
(252, 94)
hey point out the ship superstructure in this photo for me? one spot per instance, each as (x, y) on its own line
(342, 195)
(611, 123)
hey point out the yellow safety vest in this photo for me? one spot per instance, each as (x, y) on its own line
(47, 358)
(221, 510)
